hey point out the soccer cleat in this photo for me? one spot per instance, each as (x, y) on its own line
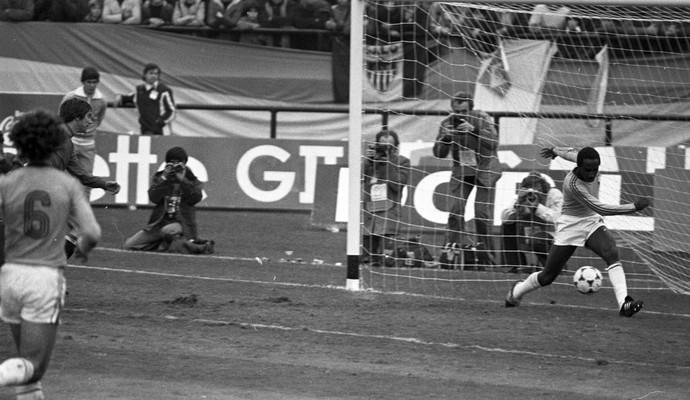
(511, 301)
(630, 307)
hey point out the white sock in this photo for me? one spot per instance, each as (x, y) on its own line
(617, 277)
(15, 371)
(33, 391)
(526, 286)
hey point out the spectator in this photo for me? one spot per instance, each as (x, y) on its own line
(85, 142)
(310, 14)
(385, 175)
(385, 26)
(340, 18)
(529, 224)
(154, 101)
(280, 14)
(32, 283)
(95, 11)
(174, 191)
(339, 23)
(156, 13)
(249, 21)
(16, 10)
(223, 13)
(126, 12)
(68, 10)
(470, 137)
(216, 14)
(189, 13)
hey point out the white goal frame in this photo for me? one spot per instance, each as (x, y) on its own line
(356, 109)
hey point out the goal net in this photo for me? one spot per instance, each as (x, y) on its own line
(612, 77)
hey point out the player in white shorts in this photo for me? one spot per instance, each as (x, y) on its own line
(581, 224)
(37, 202)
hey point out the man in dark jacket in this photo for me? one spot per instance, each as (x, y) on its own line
(154, 101)
(175, 191)
(470, 137)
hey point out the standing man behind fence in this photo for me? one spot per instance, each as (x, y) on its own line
(471, 138)
(154, 101)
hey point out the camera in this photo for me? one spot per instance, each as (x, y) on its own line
(382, 150)
(528, 200)
(174, 167)
(457, 120)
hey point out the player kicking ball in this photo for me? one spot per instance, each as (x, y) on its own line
(37, 202)
(581, 224)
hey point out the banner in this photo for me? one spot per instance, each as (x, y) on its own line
(597, 94)
(518, 90)
(383, 72)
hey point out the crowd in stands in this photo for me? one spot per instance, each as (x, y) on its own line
(261, 21)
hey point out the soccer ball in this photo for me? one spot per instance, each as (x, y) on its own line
(587, 280)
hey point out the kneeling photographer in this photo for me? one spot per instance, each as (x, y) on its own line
(175, 191)
(385, 174)
(529, 224)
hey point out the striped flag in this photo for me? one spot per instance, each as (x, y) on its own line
(597, 94)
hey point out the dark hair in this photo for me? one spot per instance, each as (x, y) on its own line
(74, 108)
(148, 67)
(176, 154)
(386, 132)
(36, 134)
(536, 182)
(90, 73)
(587, 153)
(462, 97)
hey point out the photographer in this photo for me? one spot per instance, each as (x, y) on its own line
(529, 224)
(470, 137)
(175, 191)
(385, 174)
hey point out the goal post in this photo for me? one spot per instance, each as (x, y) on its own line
(621, 63)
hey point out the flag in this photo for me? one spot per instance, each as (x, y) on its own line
(495, 73)
(597, 94)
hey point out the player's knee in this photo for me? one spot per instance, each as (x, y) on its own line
(610, 255)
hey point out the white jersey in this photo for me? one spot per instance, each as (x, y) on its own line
(580, 199)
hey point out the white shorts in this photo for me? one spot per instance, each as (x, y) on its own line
(31, 293)
(574, 231)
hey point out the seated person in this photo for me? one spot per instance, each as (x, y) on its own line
(125, 12)
(529, 224)
(17, 11)
(95, 11)
(175, 191)
(189, 13)
(156, 13)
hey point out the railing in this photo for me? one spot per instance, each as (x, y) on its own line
(572, 45)
(386, 113)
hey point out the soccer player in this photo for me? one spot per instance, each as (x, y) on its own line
(580, 224)
(37, 201)
(77, 116)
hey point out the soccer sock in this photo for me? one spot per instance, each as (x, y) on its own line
(32, 391)
(526, 286)
(15, 371)
(617, 277)
(70, 244)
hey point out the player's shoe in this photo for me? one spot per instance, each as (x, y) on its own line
(630, 307)
(511, 301)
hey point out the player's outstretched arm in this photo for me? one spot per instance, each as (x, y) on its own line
(566, 153)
